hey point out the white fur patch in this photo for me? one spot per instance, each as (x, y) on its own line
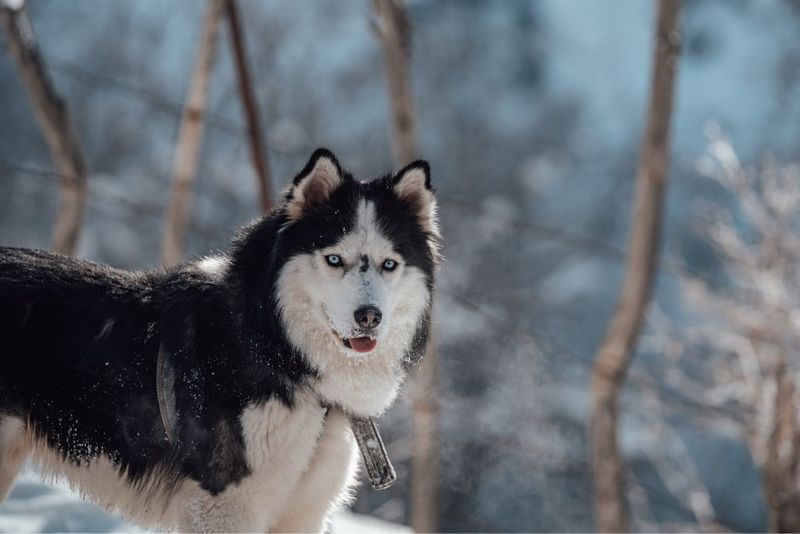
(213, 265)
(100, 480)
(327, 483)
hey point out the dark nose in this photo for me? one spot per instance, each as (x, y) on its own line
(368, 316)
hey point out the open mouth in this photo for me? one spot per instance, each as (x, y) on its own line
(360, 344)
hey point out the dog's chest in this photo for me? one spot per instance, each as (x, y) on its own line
(282, 438)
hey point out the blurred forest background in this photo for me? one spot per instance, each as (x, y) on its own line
(531, 114)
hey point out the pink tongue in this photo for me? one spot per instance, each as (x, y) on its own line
(362, 344)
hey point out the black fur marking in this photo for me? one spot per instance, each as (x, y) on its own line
(364, 264)
(81, 340)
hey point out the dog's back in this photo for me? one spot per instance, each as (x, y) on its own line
(62, 297)
(78, 344)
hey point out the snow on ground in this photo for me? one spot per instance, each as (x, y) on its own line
(348, 523)
(35, 506)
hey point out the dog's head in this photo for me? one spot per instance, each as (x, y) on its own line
(358, 265)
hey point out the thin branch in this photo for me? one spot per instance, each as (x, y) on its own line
(190, 139)
(250, 104)
(133, 90)
(614, 355)
(54, 121)
(391, 27)
(118, 203)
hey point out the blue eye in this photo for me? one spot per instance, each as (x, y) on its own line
(389, 265)
(334, 260)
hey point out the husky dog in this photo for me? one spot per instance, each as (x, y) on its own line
(317, 310)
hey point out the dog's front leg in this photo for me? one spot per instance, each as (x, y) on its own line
(230, 511)
(326, 483)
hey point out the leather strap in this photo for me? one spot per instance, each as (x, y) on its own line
(165, 390)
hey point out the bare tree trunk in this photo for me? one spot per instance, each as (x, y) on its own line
(614, 355)
(425, 447)
(190, 138)
(54, 121)
(392, 28)
(250, 105)
(393, 31)
(780, 467)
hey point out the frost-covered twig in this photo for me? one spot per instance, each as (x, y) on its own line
(750, 327)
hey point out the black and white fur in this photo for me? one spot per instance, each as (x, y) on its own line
(258, 340)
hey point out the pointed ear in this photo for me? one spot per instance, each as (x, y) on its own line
(314, 184)
(412, 184)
